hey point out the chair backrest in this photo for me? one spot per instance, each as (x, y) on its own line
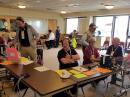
(122, 44)
(128, 45)
(2, 49)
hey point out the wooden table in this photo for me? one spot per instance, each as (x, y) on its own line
(44, 83)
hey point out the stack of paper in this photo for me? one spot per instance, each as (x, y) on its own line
(25, 61)
(80, 75)
(74, 72)
(103, 70)
(77, 74)
(63, 73)
(6, 63)
(91, 72)
(41, 68)
(80, 69)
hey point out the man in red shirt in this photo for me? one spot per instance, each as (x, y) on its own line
(90, 53)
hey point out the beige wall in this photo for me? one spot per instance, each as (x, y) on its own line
(33, 14)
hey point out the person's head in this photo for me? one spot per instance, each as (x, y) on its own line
(74, 31)
(92, 27)
(20, 22)
(91, 42)
(58, 27)
(49, 31)
(66, 43)
(107, 38)
(115, 41)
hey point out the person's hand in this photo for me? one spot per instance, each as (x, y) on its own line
(68, 57)
(92, 58)
(72, 61)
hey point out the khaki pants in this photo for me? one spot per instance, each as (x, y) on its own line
(28, 52)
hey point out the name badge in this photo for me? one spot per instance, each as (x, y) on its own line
(22, 35)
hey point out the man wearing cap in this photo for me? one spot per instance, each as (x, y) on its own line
(87, 35)
(26, 37)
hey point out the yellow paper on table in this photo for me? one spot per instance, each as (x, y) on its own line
(74, 72)
(6, 63)
(60, 72)
(80, 75)
(23, 59)
(103, 70)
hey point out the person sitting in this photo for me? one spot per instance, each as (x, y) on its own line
(50, 41)
(67, 56)
(106, 43)
(116, 52)
(90, 53)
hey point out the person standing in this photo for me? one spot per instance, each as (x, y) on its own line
(51, 39)
(87, 35)
(57, 34)
(26, 37)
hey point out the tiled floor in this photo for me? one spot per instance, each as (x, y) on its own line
(99, 91)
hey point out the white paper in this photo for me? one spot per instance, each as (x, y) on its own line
(27, 62)
(80, 69)
(41, 68)
(106, 55)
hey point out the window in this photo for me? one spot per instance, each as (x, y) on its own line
(112, 26)
(72, 24)
(104, 27)
(3, 27)
(120, 31)
(13, 25)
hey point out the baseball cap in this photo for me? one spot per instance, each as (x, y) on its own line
(92, 25)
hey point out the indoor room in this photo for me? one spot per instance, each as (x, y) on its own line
(64, 48)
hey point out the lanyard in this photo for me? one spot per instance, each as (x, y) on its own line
(113, 51)
(69, 52)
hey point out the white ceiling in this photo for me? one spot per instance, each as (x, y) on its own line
(66, 5)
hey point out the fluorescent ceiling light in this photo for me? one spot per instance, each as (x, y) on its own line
(22, 6)
(109, 6)
(73, 5)
(63, 12)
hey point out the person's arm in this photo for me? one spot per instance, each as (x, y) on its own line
(109, 50)
(75, 56)
(35, 33)
(67, 60)
(84, 40)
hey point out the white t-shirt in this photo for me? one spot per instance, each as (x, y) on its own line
(51, 36)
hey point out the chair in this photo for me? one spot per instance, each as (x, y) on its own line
(128, 47)
(106, 44)
(122, 44)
